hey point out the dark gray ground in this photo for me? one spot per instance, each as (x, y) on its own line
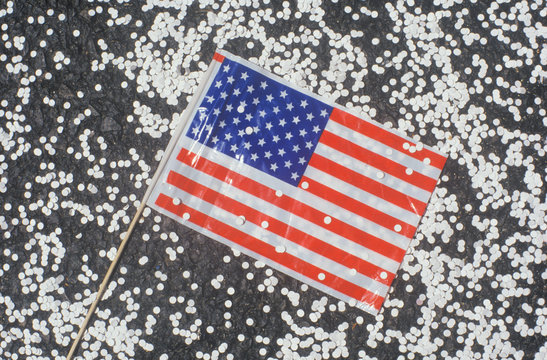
(81, 136)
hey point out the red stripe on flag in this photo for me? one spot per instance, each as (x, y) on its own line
(357, 207)
(385, 137)
(278, 227)
(285, 259)
(290, 205)
(218, 57)
(379, 162)
(367, 184)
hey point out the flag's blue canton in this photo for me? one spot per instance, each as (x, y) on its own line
(260, 121)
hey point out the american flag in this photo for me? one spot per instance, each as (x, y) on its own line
(297, 182)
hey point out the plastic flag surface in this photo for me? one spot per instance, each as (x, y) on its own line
(297, 182)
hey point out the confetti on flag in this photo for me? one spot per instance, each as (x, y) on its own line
(297, 182)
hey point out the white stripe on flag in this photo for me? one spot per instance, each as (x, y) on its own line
(319, 277)
(156, 193)
(295, 221)
(372, 173)
(230, 218)
(366, 198)
(381, 149)
(330, 209)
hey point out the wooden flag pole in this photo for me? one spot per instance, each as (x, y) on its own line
(106, 280)
(170, 147)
